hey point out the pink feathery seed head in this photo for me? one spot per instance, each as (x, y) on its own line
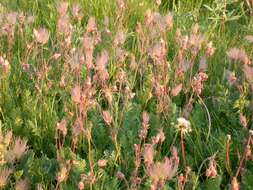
(158, 52)
(91, 26)
(26, 67)
(235, 54)
(148, 17)
(41, 35)
(165, 170)
(148, 154)
(211, 171)
(120, 38)
(158, 2)
(230, 76)
(64, 26)
(235, 184)
(80, 185)
(120, 175)
(21, 18)
(11, 18)
(76, 94)
(177, 89)
(56, 56)
(4, 64)
(62, 8)
(102, 60)
(107, 117)
(210, 50)
(4, 176)
(102, 163)
(17, 150)
(184, 42)
(22, 184)
(202, 76)
(145, 118)
(243, 120)
(76, 12)
(62, 127)
(121, 4)
(168, 19)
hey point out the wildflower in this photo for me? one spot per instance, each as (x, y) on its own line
(56, 56)
(120, 175)
(62, 8)
(62, 175)
(4, 63)
(160, 137)
(76, 12)
(168, 19)
(231, 77)
(176, 90)
(107, 117)
(91, 26)
(183, 126)
(17, 150)
(119, 38)
(22, 185)
(64, 26)
(235, 54)
(76, 94)
(211, 172)
(102, 60)
(4, 176)
(164, 170)
(148, 154)
(158, 52)
(210, 49)
(198, 82)
(26, 67)
(11, 18)
(41, 35)
(234, 184)
(145, 125)
(80, 185)
(62, 127)
(62, 81)
(243, 120)
(158, 2)
(121, 4)
(102, 163)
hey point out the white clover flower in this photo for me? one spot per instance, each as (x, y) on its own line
(183, 125)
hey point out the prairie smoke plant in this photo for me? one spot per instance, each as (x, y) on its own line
(41, 35)
(4, 176)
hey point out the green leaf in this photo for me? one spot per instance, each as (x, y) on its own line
(211, 184)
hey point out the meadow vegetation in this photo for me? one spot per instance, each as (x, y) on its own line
(126, 94)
